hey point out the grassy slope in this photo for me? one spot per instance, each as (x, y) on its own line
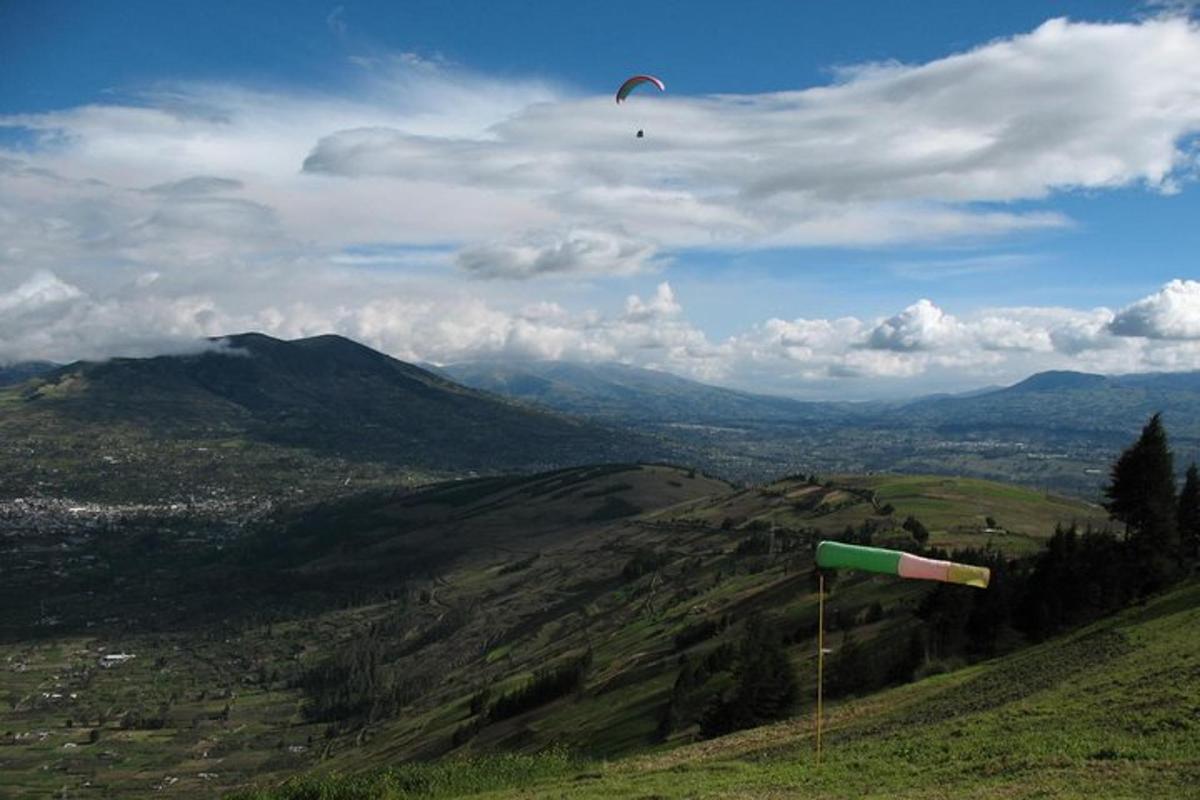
(954, 509)
(1110, 711)
(631, 624)
(497, 614)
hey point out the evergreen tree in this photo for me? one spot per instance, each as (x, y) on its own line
(764, 687)
(1142, 491)
(1189, 515)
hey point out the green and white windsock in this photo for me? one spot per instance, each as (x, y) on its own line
(835, 555)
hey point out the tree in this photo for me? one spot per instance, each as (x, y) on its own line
(920, 533)
(1142, 496)
(764, 686)
(1189, 514)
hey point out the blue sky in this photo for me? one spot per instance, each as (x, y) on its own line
(814, 172)
(65, 53)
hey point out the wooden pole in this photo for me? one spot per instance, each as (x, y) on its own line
(820, 659)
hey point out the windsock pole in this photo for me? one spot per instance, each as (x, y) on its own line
(820, 657)
(838, 555)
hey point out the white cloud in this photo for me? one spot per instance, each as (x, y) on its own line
(586, 252)
(662, 305)
(891, 153)
(42, 289)
(921, 326)
(1173, 312)
(920, 349)
(47, 318)
(527, 179)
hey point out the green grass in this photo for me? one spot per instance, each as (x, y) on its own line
(448, 778)
(1110, 711)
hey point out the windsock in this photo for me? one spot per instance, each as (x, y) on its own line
(835, 555)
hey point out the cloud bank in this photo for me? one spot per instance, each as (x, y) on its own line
(919, 349)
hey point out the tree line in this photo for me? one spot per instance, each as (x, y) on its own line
(1080, 576)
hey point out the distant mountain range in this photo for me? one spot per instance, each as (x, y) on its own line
(626, 393)
(11, 374)
(1058, 429)
(1056, 400)
(258, 416)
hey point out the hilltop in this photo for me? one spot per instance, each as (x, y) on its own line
(253, 414)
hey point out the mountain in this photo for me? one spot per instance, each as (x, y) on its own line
(255, 416)
(253, 413)
(1057, 380)
(1106, 408)
(629, 393)
(21, 371)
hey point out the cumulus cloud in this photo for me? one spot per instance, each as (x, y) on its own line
(921, 348)
(921, 326)
(42, 289)
(1173, 312)
(47, 318)
(663, 304)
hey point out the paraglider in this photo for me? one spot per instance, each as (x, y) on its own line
(629, 85)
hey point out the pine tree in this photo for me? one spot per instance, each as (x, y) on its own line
(1189, 515)
(764, 687)
(1142, 496)
(1142, 491)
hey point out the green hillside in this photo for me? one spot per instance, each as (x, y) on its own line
(446, 590)
(1110, 711)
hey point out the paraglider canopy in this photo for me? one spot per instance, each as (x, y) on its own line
(638, 80)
